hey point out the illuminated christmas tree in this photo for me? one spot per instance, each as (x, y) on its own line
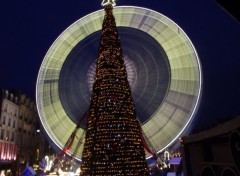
(113, 143)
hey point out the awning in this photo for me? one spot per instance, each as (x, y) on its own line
(175, 161)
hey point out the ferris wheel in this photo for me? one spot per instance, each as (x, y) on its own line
(163, 70)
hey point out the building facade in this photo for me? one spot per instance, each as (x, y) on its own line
(27, 130)
(20, 140)
(9, 128)
(214, 152)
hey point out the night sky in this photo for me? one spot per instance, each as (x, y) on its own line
(28, 29)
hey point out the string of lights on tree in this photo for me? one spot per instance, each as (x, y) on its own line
(113, 144)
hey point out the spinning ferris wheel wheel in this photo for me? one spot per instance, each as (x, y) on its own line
(163, 70)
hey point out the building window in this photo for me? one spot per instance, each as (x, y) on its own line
(13, 135)
(9, 122)
(2, 134)
(3, 121)
(14, 124)
(8, 134)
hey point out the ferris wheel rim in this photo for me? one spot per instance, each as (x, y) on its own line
(92, 16)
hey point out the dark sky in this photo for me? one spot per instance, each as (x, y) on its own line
(28, 28)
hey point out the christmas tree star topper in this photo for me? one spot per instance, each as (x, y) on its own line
(108, 2)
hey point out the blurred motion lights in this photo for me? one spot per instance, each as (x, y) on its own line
(163, 67)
